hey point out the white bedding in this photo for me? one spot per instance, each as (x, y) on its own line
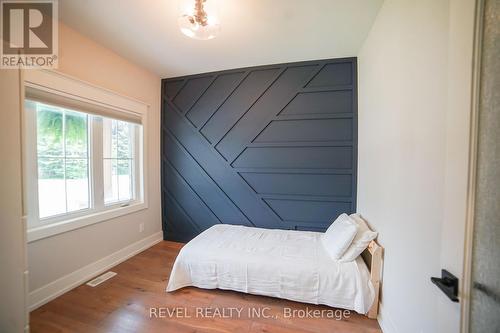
(279, 263)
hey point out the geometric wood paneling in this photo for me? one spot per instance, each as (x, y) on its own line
(271, 146)
(321, 102)
(339, 73)
(316, 213)
(305, 157)
(307, 130)
(299, 183)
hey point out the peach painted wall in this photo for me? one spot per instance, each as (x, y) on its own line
(52, 258)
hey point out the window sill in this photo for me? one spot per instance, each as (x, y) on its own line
(44, 231)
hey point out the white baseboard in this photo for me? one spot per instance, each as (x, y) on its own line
(62, 285)
(385, 322)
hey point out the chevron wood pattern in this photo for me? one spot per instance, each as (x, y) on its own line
(271, 146)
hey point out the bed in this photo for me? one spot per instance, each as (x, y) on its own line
(286, 264)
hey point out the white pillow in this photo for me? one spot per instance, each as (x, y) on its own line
(360, 242)
(339, 236)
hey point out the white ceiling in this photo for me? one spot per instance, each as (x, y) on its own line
(253, 32)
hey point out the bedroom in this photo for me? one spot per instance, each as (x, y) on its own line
(297, 153)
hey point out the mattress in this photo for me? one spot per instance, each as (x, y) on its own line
(286, 264)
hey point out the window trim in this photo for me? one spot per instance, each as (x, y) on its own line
(57, 83)
(73, 223)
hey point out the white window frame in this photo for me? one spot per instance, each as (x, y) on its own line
(57, 83)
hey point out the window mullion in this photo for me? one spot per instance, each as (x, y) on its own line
(136, 161)
(64, 158)
(115, 135)
(97, 164)
(31, 153)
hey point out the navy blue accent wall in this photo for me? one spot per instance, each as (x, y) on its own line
(271, 146)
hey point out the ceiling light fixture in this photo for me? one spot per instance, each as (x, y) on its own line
(199, 21)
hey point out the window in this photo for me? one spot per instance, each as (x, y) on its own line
(84, 163)
(63, 160)
(118, 139)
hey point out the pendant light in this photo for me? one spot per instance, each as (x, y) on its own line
(199, 20)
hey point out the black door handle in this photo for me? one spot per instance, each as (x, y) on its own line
(448, 283)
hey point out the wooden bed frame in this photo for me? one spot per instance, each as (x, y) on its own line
(373, 259)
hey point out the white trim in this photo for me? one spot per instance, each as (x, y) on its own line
(25, 203)
(143, 154)
(52, 229)
(471, 186)
(97, 174)
(385, 322)
(62, 84)
(30, 187)
(62, 285)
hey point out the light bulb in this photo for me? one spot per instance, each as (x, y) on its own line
(197, 22)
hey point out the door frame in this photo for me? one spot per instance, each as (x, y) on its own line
(471, 186)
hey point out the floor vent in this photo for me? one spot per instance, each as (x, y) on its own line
(100, 279)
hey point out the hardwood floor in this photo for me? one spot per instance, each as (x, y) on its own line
(125, 303)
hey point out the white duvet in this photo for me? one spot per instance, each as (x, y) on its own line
(279, 263)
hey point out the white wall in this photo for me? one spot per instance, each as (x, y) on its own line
(413, 137)
(12, 236)
(55, 257)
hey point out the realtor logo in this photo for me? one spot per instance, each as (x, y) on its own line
(29, 34)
